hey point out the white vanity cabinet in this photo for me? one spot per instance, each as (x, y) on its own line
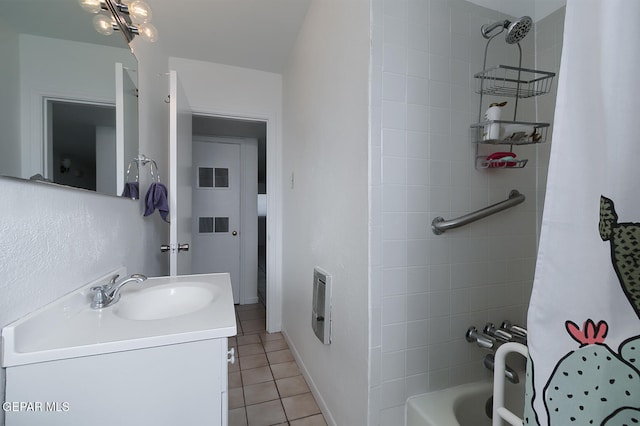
(158, 356)
(181, 384)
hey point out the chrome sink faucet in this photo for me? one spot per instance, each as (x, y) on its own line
(108, 294)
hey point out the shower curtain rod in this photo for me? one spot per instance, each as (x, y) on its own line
(439, 225)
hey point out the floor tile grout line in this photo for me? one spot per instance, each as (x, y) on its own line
(274, 380)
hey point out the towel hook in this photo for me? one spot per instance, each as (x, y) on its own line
(134, 161)
(144, 160)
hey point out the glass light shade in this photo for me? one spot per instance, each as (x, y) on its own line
(103, 24)
(140, 12)
(91, 6)
(148, 32)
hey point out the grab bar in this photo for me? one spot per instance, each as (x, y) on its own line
(439, 225)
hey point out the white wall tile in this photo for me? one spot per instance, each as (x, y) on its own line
(417, 118)
(440, 276)
(393, 365)
(416, 385)
(417, 279)
(460, 47)
(418, 333)
(417, 90)
(393, 87)
(417, 252)
(394, 115)
(393, 310)
(460, 72)
(394, 59)
(439, 67)
(394, 254)
(394, 198)
(439, 303)
(439, 330)
(397, 8)
(375, 364)
(417, 171)
(418, 198)
(395, 226)
(394, 170)
(394, 281)
(418, 306)
(439, 120)
(417, 361)
(417, 144)
(394, 337)
(393, 143)
(418, 226)
(395, 30)
(434, 287)
(439, 94)
(418, 63)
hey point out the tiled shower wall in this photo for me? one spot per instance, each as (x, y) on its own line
(426, 289)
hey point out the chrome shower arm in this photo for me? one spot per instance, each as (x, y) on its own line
(487, 29)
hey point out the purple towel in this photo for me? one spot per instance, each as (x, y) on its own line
(131, 190)
(157, 199)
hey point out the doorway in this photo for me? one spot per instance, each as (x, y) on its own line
(80, 144)
(227, 140)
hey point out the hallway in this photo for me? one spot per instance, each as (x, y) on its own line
(265, 385)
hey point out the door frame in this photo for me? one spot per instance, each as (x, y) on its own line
(243, 143)
(274, 194)
(46, 144)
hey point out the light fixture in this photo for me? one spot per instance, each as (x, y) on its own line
(130, 17)
(103, 24)
(140, 12)
(91, 6)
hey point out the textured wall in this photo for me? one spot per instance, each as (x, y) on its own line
(55, 239)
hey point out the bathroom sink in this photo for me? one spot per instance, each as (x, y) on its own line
(164, 301)
(157, 312)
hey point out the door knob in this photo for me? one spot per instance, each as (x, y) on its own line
(234, 233)
(181, 247)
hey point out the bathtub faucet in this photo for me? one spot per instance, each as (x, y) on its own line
(481, 339)
(498, 333)
(489, 362)
(506, 333)
(515, 329)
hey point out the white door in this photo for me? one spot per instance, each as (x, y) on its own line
(126, 123)
(216, 210)
(179, 178)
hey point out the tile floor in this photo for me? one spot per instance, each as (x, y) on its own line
(265, 385)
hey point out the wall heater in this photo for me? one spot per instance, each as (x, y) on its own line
(321, 305)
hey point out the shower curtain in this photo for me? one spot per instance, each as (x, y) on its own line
(584, 314)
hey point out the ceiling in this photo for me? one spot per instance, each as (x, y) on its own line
(537, 9)
(257, 34)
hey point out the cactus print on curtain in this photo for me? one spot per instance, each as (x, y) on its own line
(584, 312)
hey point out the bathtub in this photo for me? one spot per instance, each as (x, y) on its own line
(462, 405)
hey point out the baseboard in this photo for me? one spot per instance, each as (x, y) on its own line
(312, 386)
(250, 301)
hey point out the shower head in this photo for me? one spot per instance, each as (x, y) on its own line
(516, 30)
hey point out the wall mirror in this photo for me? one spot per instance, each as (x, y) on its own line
(68, 97)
